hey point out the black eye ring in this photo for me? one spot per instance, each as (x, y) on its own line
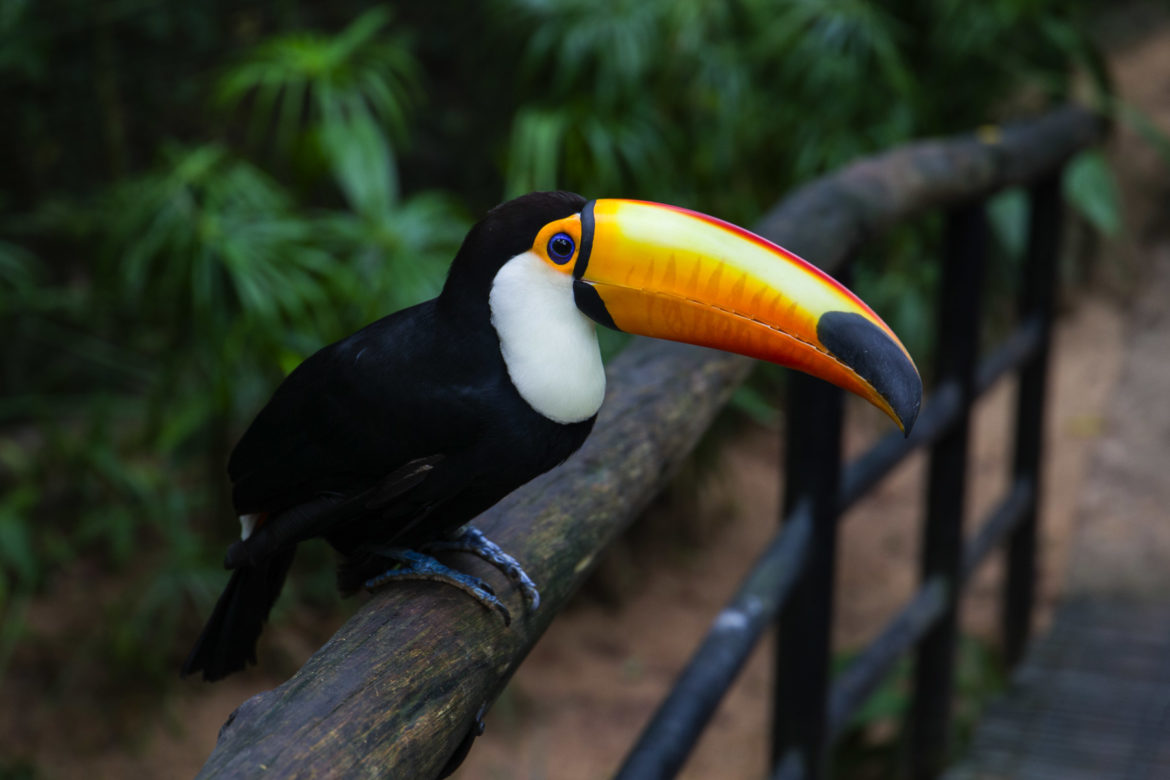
(561, 248)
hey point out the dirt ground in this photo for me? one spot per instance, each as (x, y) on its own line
(589, 686)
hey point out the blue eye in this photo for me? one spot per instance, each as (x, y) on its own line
(561, 248)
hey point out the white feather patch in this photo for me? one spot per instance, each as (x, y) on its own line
(248, 524)
(549, 346)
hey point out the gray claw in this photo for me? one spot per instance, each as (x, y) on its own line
(418, 566)
(473, 541)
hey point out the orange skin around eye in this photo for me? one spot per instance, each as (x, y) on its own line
(570, 226)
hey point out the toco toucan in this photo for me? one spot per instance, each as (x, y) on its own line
(388, 442)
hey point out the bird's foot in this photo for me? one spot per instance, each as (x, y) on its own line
(418, 566)
(471, 540)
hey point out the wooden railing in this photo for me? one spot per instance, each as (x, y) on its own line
(399, 687)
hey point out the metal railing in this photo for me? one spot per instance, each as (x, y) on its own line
(791, 586)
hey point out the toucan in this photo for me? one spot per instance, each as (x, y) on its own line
(389, 442)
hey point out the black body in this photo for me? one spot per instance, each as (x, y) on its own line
(399, 433)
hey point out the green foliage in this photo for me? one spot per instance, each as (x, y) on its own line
(728, 104)
(338, 98)
(872, 745)
(210, 238)
(1155, 136)
(18, 51)
(1089, 186)
(1008, 214)
(18, 769)
(163, 265)
(201, 281)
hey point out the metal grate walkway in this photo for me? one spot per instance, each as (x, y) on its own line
(1092, 699)
(1090, 702)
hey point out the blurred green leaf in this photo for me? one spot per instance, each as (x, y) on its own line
(17, 552)
(1149, 130)
(349, 94)
(205, 233)
(19, 269)
(1008, 214)
(537, 139)
(759, 407)
(1090, 188)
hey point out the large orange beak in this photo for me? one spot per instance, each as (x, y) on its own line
(675, 274)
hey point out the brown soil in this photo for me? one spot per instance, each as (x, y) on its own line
(592, 682)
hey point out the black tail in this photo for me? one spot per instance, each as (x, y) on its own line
(228, 641)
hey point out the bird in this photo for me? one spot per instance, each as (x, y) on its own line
(389, 442)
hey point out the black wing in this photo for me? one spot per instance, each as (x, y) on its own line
(411, 419)
(351, 414)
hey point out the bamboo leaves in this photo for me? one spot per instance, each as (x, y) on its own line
(348, 96)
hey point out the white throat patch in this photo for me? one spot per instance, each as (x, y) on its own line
(549, 346)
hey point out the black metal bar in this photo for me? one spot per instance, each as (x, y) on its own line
(670, 736)
(870, 667)
(667, 740)
(867, 671)
(1004, 519)
(804, 646)
(1020, 346)
(806, 719)
(1036, 301)
(872, 466)
(958, 326)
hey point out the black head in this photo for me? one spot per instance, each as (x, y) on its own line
(506, 231)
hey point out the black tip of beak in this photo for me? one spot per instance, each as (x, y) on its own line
(877, 359)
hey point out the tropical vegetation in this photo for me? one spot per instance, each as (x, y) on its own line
(196, 195)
